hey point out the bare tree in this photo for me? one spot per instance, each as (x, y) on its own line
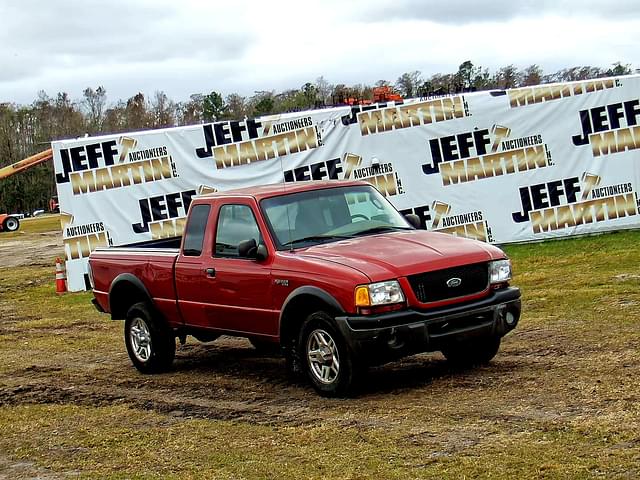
(237, 107)
(94, 103)
(441, 83)
(136, 112)
(115, 118)
(324, 89)
(408, 83)
(163, 110)
(191, 112)
(532, 75)
(577, 73)
(507, 77)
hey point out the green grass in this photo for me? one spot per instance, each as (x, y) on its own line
(120, 442)
(561, 400)
(40, 224)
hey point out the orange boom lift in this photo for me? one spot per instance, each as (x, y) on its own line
(9, 223)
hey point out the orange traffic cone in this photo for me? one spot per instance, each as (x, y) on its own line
(61, 277)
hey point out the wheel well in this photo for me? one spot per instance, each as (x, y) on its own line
(296, 311)
(122, 296)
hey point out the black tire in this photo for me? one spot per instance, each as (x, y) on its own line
(328, 377)
(10, 224)
(478, 351)
(151, 344)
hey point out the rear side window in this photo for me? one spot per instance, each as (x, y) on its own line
(194, 235)
(236, 223)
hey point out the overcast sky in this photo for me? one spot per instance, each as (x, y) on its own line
(192, 46)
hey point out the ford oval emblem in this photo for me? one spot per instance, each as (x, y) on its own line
(454, 282)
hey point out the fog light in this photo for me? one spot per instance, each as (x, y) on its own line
(509, 318)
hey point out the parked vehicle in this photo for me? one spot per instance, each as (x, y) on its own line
(329, 271)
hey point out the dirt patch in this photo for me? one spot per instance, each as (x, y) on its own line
(25, 470)
(31, 249)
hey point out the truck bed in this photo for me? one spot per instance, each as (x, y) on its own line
(151, 263)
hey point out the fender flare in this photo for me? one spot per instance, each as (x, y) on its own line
(317, 292)
(131, 279)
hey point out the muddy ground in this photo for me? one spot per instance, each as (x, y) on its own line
(549, 374)
(32, 249)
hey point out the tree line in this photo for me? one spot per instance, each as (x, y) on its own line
(28, 129)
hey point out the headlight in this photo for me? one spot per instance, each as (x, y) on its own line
(381, 293)
(500, 271)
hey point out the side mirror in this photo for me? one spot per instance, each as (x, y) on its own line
(262, 253)
(249, 249)
(414, 220)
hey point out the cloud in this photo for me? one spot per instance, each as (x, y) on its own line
(76, 33)
(472, 11)
(242, 46)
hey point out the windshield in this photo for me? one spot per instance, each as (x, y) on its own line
(319, 216)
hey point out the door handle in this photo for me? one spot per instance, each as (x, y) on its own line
(211, 272)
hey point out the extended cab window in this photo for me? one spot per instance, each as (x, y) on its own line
(236, 223)
(194, 234)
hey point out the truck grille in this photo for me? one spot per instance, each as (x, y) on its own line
(441, 284)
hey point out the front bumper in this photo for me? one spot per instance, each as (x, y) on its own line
(380, 338)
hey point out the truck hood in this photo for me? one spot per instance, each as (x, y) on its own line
(399, 254)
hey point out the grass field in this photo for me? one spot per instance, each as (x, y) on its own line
(40, 224)
(561, 400)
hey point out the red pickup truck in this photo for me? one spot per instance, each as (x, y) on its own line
(329, 271)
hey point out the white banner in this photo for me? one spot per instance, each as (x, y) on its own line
(501, 166)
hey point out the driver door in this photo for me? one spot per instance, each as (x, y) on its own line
(239, 299)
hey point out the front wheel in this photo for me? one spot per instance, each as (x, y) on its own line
(479, 351)
(329, 364)
(151, 344)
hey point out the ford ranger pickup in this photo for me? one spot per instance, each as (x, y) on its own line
(329, 272)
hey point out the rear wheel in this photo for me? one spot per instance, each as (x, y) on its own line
(478, 351)
(151, 344)
(11, 224)
(327, 360)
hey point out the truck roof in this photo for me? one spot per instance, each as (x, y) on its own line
(277, 189)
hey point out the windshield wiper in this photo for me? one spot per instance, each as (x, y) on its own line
(314, 238)
(380, 229)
